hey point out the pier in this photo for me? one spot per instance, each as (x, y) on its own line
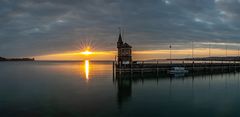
(163, 67)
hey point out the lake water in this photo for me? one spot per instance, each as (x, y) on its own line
(88, 89)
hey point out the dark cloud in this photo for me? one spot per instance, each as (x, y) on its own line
(36, 27)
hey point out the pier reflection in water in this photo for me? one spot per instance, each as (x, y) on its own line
(176, 86)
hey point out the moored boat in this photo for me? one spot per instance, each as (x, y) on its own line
(178, 70)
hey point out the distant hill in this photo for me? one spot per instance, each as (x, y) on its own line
(16, 59)
(2, 59)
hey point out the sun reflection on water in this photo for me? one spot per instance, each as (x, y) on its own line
(87, 69)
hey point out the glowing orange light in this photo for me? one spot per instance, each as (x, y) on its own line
(87, 69)
(87, 52)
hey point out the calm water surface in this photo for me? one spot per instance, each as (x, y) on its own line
(88, 89)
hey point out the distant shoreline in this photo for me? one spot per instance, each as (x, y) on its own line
(16, 59)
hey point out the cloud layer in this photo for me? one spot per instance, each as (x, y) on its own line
(38, 27)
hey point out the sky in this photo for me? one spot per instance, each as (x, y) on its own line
(60, 29)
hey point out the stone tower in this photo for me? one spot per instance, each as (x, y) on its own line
(124, 51)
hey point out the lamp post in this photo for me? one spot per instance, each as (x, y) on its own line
(226, 51)
(227, 54)
(170, 49)
(209, 53)
(209, 50)
(238, 56)
(192, 52)
(238, 52)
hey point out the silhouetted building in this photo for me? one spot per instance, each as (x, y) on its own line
(124, 51)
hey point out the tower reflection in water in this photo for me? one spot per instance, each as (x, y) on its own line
(124, 90)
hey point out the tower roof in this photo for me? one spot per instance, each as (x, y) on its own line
(126, 45)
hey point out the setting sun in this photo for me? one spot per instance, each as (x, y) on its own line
(87, 52)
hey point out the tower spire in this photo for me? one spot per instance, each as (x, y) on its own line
(120, 42)
(119, 29)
